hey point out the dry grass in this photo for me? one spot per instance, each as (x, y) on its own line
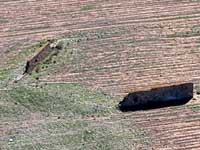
(62, 116)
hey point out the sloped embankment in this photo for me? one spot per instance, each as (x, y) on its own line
(57, 116)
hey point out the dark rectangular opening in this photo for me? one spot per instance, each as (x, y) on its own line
(157, 98)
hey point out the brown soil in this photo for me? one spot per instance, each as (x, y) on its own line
(149, 43)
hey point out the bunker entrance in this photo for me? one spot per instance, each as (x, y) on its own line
(157, 98)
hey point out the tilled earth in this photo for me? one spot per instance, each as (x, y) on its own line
(115, 47)
(170, 128)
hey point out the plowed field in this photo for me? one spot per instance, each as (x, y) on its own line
(115, 47)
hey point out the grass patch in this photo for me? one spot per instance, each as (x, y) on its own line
(142, 136)
(9, 108)
(75, 119)
(4, 74)
(16, 65)
(88, 7)
(73, 135)
(25, 54)
(198, 90)
(194, 107)
(61, 99)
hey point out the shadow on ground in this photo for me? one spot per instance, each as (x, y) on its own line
(157, 98)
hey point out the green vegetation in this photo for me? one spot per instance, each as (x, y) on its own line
(73, 135)
(3, 20)
(88, 7)
(25, 54)
(198, 90)
(194, 107)
(39, 44)
(63, 116)
(65, 99)
(195, 31)
(83, 36)
(4, 74)
(16, 65)
(72, 53)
